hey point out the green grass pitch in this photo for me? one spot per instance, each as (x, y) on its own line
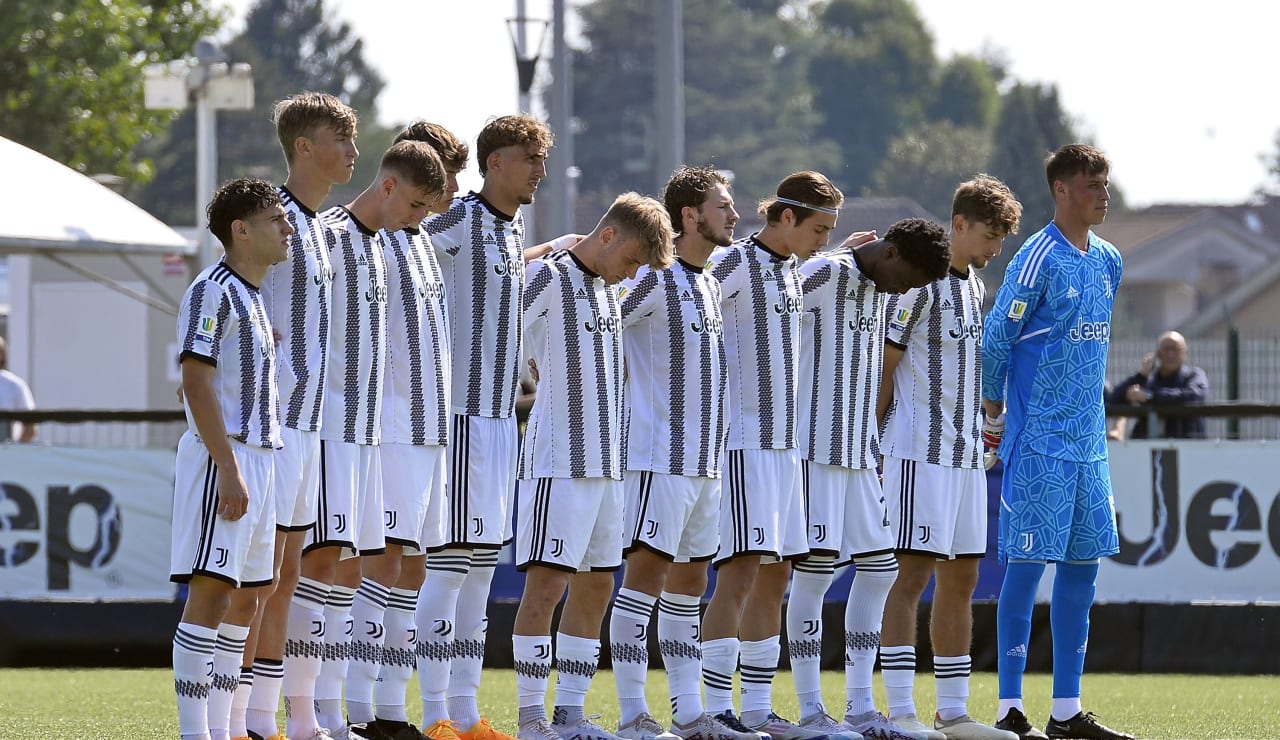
(67, 704)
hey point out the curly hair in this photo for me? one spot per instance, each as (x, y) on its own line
(922, 244)
(519, 130)
(689, 188)
(985, 199)
(238, 200)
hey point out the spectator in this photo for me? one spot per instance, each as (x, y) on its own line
(1169, 381)
(14, 396)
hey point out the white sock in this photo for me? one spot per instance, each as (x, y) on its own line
(397, 658)
(368, 610)
(719, 661)
(1065, 708)
(240, 702)
(436, 619)
(1006, 704)
(532, 654)
(678, 624)
(264, 700)
(629, 646)
(759, 659)
(471, 625)
(192, 664)
(810, 579)
(951, 676)
(576, 662)
(863, 615)
(898, 669)
(303, 652)
(337, 653)
(228, 654)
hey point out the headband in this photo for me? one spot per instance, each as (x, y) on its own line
(819, 209)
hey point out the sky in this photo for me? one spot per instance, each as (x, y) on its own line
(1174, 94)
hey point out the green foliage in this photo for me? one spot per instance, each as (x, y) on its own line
(928, 163)
(59, 704)
(748, 107)
(292, 45)
(71, 75)
(966, 94)
(874, 59)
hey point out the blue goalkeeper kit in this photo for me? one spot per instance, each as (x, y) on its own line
(1044, 351)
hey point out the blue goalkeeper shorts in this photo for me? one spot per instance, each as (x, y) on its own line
(1055, 510)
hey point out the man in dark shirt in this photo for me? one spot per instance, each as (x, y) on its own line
(1172, 381)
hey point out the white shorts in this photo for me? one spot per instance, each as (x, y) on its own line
(205, 544)
(349, 505)
(847, 508)
(297, 479)
(572, 524)
(936, 510)
(675, 516)
(413, 490)
(482, 482)
(761, 512)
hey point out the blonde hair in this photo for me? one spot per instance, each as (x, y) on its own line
(307, 112)
(644, 218)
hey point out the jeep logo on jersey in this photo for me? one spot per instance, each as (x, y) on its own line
(1090, 331)
(963, 329)
(602, 324)
(376, 294)
(788, 304)
(511, 266)
(707, 324)
(323, 277)
(433, 291)
(863, 323)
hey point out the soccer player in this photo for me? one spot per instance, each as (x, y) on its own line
(673, 338)
(842, 344)
(480, 243)
(415, 430)
(317, 134)
(930, 407)
(571, 498)
(409, 179)
(415, 423)
(223, 512)
(1044, 358)
(761, 516)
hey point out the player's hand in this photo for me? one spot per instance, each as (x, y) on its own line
(233, 495)
(857, 239)
(533, 370)
(992, 435)
(1137, 395)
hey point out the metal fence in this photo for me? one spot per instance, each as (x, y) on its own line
(1258, 368)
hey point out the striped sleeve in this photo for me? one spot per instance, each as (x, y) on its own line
(728, 267)
(639, 296)
(447, 230)
(201, 322)
(537, 276)
(815, 274)
(903, 313)
(1016, 300)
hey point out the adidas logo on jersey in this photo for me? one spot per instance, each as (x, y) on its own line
(581, 295)
(490, 239)
(947, 305)
(1072, 292)
(1017, 651)
(685, 295)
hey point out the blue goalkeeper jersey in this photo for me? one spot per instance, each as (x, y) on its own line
(1044, 347)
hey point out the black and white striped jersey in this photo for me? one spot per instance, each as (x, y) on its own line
(842, 340)
(357, 362)
(936, 416)
(223, 322)
(573, 332)
(481, 251)
(296, 294)
(761, 302)
(673, 339)
(415, 405)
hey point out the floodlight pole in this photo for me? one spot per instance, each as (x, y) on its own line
(526, 67)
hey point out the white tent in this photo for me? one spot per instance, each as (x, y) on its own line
(49, 207)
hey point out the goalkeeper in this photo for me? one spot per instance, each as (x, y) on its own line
(1044, 357)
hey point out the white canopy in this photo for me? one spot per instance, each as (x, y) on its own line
(49, 207)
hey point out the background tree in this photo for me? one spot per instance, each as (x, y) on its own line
(927, 163)
(871, 75)
(293, 45)
(966, 94)
(71, 74)
(754, 115)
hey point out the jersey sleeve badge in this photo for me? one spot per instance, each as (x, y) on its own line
(900, 319)
(1017, 310)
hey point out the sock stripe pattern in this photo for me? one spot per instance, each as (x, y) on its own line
(267, 668)
(440, 563)
(958, 667)
(756, 675)
(194, 643)
(901, 659)
(717, 680)
(404, 602)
